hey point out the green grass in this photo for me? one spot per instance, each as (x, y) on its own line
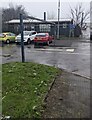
(24, 86)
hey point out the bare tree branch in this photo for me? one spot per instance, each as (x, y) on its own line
(13, 12)
(79, 15)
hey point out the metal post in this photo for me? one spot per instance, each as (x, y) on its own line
(22, 38)
(54, 33)
(82, 20)
(45, 16)
(58, 19)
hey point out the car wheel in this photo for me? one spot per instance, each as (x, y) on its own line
(35, 43)
(32, 41)
(48, 42)
(90, 37)
(8, 41)
(28, 42)
(2, 43)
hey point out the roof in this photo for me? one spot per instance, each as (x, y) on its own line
(61, 20)
(35, 21)
(18, 21)
(29, 31)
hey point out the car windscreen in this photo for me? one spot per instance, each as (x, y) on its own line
(25, 33)
(40, 35)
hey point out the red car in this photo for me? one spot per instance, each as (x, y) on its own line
(43, 38)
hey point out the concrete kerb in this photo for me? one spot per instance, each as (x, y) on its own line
(76, 74)
(50, 86)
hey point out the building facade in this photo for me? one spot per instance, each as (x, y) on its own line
(51, 26)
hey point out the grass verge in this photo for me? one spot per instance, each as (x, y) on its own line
(24, 86)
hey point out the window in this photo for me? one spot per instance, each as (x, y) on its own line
(8, 34)
(25, 27)
(17, 28)
(33, 33)
(41, 35)
(44, 27)
(32, 27)
(12, 34)
(65, 25)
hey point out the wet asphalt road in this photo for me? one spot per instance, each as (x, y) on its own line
(73, 57)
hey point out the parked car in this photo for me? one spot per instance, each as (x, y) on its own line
(7, 37)
(28, 37)
(43, 38)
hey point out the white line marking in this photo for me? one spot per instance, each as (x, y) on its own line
(70, 50)
(49, 50)
(56, 50)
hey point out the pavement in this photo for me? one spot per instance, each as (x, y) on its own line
(69, 97)
(68, 42)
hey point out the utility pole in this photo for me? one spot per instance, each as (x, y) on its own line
(22, 38)
(0, 20)
(58, 19)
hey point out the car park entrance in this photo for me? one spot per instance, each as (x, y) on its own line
(47, 38)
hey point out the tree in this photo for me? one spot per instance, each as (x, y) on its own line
(51, 15)
(79, 15)
(12, 12)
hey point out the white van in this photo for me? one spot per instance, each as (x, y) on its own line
(28, 37)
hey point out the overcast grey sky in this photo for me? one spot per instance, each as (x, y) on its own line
(37, 7)
(46, 0)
